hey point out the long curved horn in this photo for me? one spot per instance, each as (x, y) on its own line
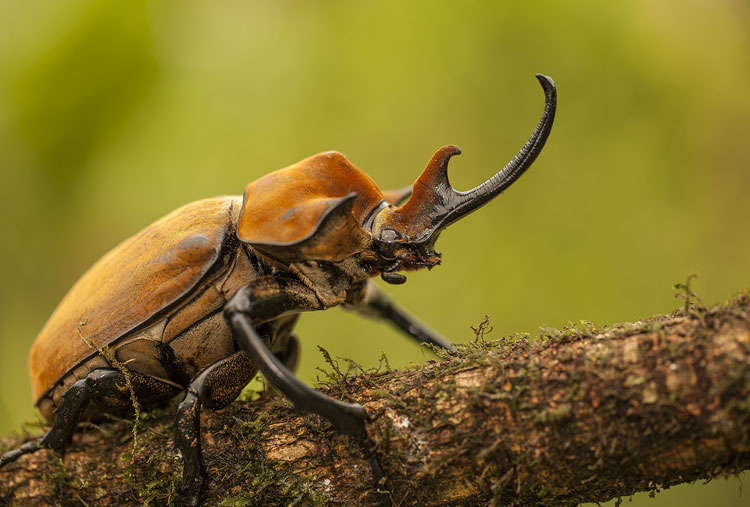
(436, 202)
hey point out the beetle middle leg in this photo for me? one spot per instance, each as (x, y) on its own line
(105, 387)
(215, 387)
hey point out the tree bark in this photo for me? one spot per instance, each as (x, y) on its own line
(575, 415)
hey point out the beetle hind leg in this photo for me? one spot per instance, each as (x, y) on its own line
(104, 386)
(73, 403)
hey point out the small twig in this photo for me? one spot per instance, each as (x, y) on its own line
(483, 328)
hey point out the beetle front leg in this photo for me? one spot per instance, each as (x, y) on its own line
(264, 300)
(376, 304)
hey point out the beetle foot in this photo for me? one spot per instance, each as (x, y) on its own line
(382, 494)
(190, 494)
(27, 448)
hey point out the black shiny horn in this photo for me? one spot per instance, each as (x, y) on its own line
(437, 201)
(466, 202)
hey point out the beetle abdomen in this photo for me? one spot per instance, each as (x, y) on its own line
(131, 286)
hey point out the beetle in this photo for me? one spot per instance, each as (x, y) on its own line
(203, 298)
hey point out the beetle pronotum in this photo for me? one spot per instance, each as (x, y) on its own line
(203, 298)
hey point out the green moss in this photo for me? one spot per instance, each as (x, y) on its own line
(554, 415)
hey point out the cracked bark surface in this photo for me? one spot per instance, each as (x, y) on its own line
(567, 416)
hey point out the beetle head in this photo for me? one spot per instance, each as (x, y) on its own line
(404, 236)
(324, 208)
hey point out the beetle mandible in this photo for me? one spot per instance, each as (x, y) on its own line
(205, 297)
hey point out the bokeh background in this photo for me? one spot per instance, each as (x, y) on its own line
(114, 113)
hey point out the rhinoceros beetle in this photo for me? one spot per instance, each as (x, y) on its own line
(203, 298)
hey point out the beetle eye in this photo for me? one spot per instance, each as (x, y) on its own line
(387, 245)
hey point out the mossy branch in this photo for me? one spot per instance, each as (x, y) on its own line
(581, 414)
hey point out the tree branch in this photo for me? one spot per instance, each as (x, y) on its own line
(579, 414)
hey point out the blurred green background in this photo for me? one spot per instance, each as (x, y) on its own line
(113, 114)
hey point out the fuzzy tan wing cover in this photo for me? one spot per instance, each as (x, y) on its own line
(132, 283)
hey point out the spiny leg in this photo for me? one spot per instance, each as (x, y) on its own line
(215, 387)
(376, 303)
(104, 386)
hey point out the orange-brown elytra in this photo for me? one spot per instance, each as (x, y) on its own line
(209, 294)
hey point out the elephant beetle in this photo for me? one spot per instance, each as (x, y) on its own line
(203, 298)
